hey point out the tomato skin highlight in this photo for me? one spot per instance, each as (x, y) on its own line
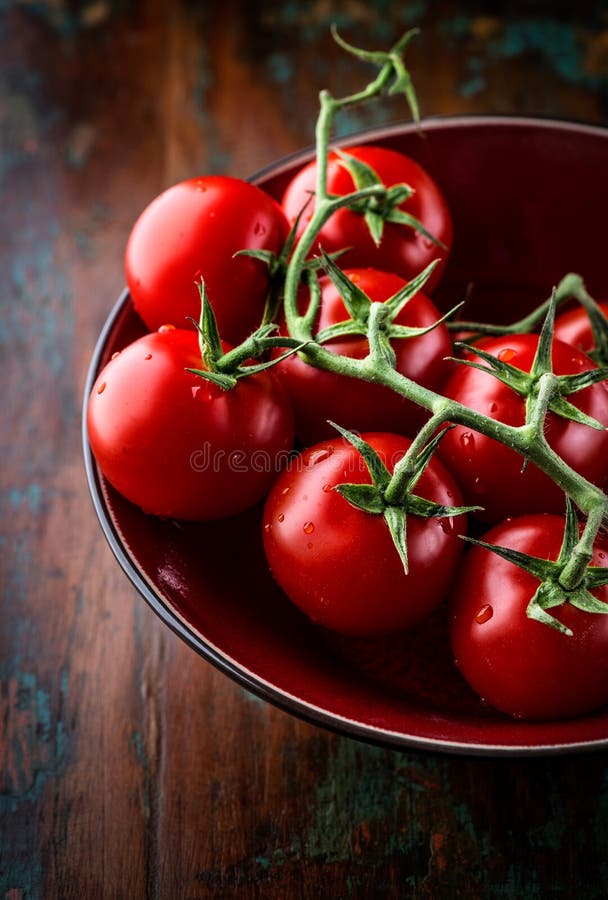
(318, 396)
(192, 231)
(401, 250)
(177, 445)
(337, 563)
(520, 666)
(573, 327)
(490, 474)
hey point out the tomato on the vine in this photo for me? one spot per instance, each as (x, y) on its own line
(491, 474)
(521, 666)
(318, 396)
(402, 250)
(339, 564)
(179, 446)
(193, 230)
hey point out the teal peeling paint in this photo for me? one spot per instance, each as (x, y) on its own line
(30, 496)
(21, 875)
(35, 738)
(473, 86)
(559, 45)
(36, 306)
(280, 67)
(366, 805)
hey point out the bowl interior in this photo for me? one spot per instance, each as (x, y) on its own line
(527, 198)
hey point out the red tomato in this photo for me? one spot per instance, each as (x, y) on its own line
(179, 446)
(318, 396)
(573, 327)
(490, 474)
(339, 564)
(402, 250)
(192, 231)
(521, 666)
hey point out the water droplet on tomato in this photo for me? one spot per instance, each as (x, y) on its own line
(601, 555)
(428, 243)
(493, 407)
(258, 228)
(467, 441)
(317, 456)
(280, 517)
(327, 488)
(285, 491)
(267, 527)
(484, 613)
(506, 354)
(101, 388)
(148, 356)
(308, 528)
(114, 355)
(195, 390)
(165, 328)
(309, 545)
(447, 525)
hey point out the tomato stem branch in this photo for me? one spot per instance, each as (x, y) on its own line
(378, 367)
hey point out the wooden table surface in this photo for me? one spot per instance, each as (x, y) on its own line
(129, 767)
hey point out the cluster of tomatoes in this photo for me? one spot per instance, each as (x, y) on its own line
(186, 447)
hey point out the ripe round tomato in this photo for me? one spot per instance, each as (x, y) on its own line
(490, 474)
(517, 664)
(574, 328)
(337, 563)
(364, 406)
(401, 250)
(177, 445)
(192, 231)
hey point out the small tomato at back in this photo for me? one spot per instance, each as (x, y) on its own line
(402, 250)
(574, 327)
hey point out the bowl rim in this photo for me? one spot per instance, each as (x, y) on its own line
(282, 699)
(430, 124)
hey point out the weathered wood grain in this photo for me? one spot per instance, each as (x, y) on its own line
(128, 766)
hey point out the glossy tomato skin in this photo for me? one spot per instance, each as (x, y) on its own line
(319, 396)
(490, 474)
(401, 250)
(337, 563)
(518, 665)
(574, 328)
(192, 231)
(178, 446)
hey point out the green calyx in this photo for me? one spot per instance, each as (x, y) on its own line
(551, 591)
(362, 310)
(226, 369)
(382, 204)
(541, 386)
(371, 498)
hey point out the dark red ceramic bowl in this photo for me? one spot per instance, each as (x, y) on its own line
(528, 199)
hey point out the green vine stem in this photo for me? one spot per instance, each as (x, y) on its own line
(571, 287)
(528, 439)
